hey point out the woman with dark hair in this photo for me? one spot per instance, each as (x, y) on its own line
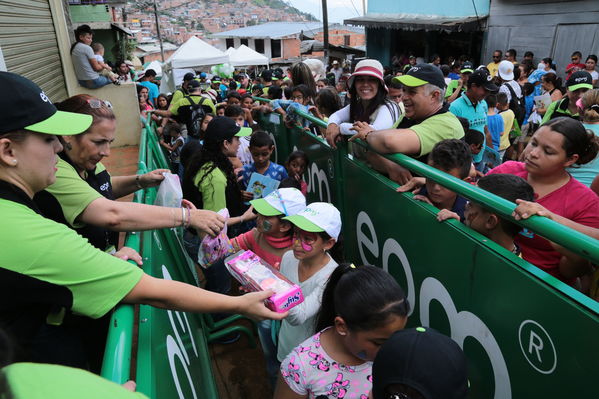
(368, 103)
(302, 74)
(144, 103)
(526, 69)
(85, 64)
(361, 308)
(551, 84)
(557, 145)
(589, 66)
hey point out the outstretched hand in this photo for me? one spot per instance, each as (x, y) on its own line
(526, 209)
(252, 305)
(207, 221)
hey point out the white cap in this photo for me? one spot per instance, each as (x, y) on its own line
(506, 70)
(318, 217)
(284, 201)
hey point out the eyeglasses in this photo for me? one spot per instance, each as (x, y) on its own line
(299, 98)
(305, 237)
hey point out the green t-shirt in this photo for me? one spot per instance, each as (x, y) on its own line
(41, 249)
(451, 87)
(50, 381)
(436, 128)
(178, 95)
(212, 188)
(196, 100)
(560, 107)
(72, 192)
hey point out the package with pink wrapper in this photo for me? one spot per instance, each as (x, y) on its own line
(256, 275)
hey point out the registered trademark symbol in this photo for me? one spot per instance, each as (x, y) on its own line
(537, 347)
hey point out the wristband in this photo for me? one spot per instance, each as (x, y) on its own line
(183, 217)
(366, 135)
(138, 181)
(188, 222)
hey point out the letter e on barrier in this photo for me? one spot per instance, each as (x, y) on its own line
(465, 324)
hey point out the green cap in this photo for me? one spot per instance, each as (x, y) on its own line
(264, 208)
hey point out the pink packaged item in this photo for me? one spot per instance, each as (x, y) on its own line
(213, 249)
(256, 275)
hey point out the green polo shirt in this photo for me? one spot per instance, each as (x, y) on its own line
(47, 253)
(50, 381)
(72, 192)
(438, 127)
(174, 108)
(559, 108)
(212, 188)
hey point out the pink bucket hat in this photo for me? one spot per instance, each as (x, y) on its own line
(368, 67)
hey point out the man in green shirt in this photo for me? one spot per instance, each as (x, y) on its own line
(183, 91)
(195, 97)
(427, 120)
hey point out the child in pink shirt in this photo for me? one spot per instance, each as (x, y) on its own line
(361, 308)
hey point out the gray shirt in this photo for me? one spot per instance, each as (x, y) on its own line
(81, 55)
(299, 325)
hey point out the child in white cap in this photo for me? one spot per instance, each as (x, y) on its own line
(316, 230)
(270, 239)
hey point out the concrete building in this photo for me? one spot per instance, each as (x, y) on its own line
(424, 28)
(281, 41)
(548, 28)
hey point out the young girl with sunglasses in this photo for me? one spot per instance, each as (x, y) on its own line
(316, 230)
(361, 308)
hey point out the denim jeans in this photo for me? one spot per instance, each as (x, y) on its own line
(95, 83)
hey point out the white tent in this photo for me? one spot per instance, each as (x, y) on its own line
(245, 56)
(193, 53)
(156, 66)
(196, 52)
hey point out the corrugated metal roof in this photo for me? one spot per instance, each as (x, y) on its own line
(419, 22)
(272, 30)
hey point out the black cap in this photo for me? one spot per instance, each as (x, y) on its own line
(481, 77)
(266, 75)
(421, 74)
(222, 128)
(423, 359)
(28, 107)
(467, 67)
(188, 76)
(194, 84)
(580, 80)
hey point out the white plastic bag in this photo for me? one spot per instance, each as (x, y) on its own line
(213, 249)
(169, 193)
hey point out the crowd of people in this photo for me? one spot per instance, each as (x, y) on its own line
(64, 271)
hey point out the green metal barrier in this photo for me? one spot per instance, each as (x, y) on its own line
(173, 359)
(515, 322)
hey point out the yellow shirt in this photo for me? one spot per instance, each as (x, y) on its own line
(508, 123)
(493, 68)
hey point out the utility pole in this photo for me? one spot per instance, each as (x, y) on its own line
(158, 31)
(325, 32)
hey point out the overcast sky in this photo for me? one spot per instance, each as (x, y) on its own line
(338, 9)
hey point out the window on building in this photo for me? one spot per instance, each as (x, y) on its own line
(259, 45)
(244, 41)
(230, 43)
(275, 48)
(346, 40)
